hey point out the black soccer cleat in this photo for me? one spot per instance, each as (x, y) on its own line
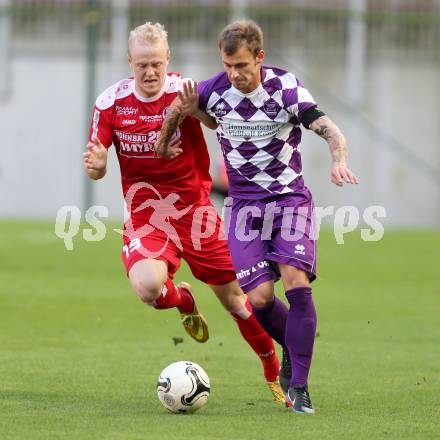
(285, 372)
(300, 399)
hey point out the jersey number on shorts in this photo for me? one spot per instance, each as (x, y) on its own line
(132, 246)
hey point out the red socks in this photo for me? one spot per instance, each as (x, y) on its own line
(173, 296)
(260, 342)
(250, 329)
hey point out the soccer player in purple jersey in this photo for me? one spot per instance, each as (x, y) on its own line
(258, 110)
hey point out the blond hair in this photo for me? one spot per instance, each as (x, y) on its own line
(148, 33)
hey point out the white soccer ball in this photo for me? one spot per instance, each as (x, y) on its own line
(183, 387)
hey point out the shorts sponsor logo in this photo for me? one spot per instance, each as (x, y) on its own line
(256, 268)
(243, 273)
(299, 249)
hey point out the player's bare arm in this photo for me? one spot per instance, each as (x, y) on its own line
(205, 119)
(95, 160)
(328, 130)
(185, 104)
(181, 107)
(164, 147)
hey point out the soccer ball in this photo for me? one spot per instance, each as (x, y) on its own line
(183, 387)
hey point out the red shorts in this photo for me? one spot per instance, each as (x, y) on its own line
(197, 237)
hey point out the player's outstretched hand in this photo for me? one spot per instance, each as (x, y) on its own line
(341, 174)
(170, 151)
(188, 98)
(95, 158)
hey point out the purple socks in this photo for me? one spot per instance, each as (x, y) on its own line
(273, 319)
(293, 329)
(300, 333)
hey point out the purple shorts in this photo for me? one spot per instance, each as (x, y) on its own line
(262, 233)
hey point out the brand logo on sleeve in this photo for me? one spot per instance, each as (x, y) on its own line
(95, 123)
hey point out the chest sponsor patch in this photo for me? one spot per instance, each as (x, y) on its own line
(125, 110)
(139, 145)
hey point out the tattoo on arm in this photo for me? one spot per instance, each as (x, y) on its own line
(170, 124)
(172, 121)
(328, 130)
(321, 130)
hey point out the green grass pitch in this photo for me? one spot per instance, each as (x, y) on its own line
(80, 354)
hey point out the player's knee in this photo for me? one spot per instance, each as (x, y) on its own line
(299, 279)
(261, 301)
(235, 302)
(230, 295)
(262, 295)
(147, 289)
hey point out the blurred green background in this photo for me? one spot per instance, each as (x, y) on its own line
(80, 354)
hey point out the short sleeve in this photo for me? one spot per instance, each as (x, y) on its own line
(177, 83)
(203, 88)
(101, 126)
(296, 98)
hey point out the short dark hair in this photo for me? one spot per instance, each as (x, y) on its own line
(239, 32)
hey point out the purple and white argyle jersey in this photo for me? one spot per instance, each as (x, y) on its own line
(259, 132)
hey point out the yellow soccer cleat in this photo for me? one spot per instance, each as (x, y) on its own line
(194, 323)
(277, 392)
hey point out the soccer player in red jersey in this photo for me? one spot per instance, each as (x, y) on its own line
(171, 216)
